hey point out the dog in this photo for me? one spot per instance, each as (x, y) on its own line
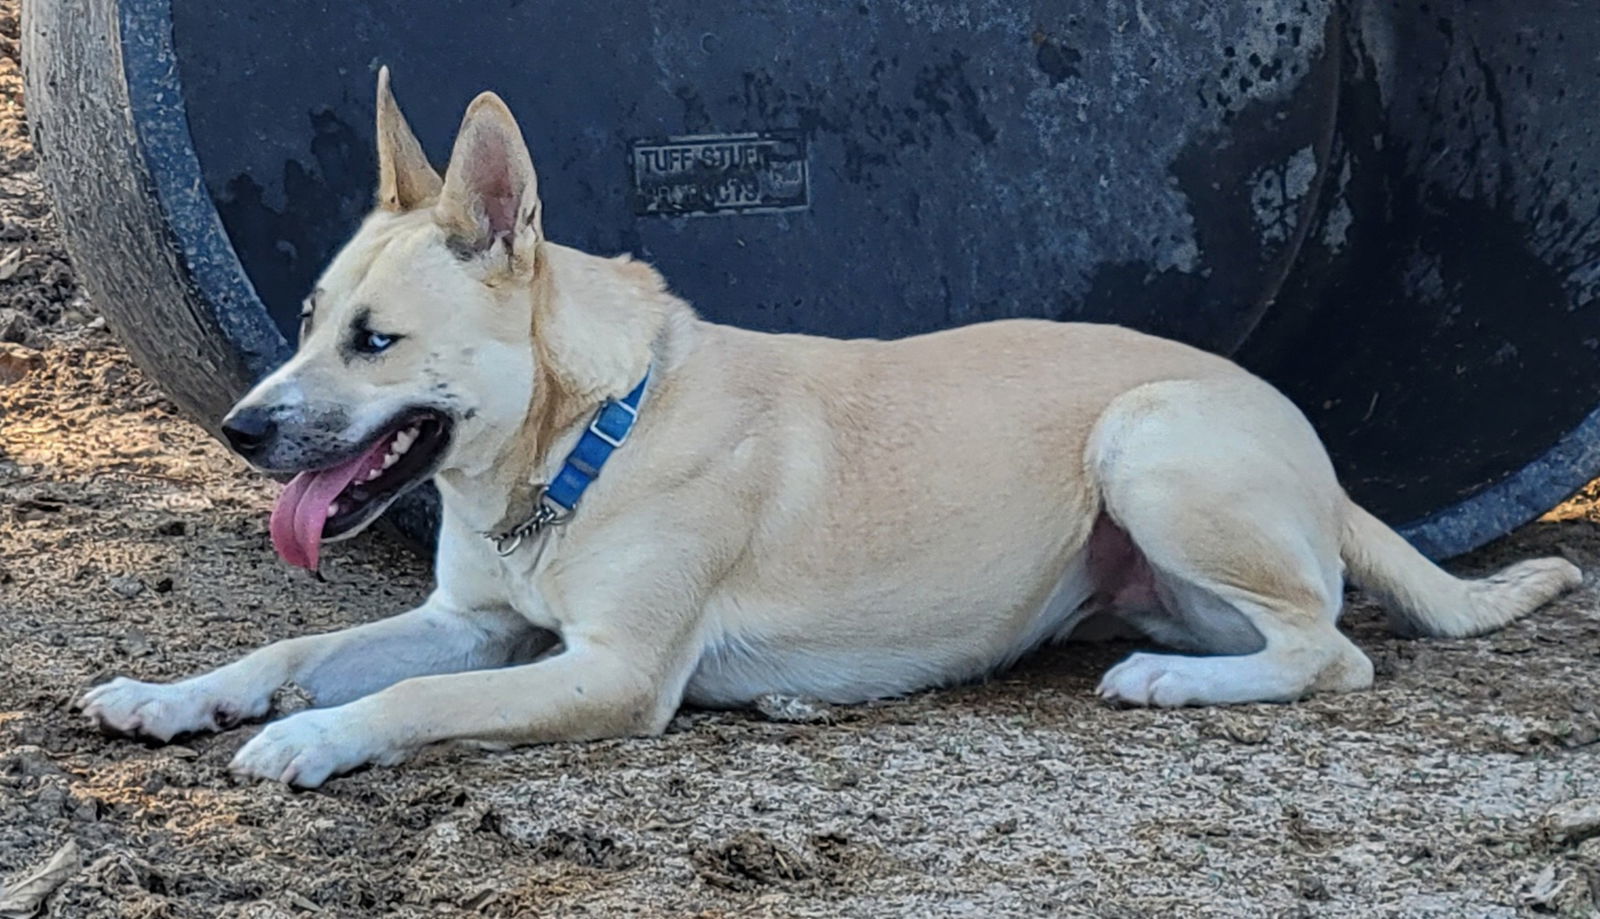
(706, 514)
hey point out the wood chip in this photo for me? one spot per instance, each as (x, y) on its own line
(25, 898)
(1574, 821)
(9, 263)
(17, 361)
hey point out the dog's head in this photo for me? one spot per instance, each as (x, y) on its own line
(416, 350)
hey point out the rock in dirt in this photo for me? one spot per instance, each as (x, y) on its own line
(126, 587)
(136, 643)
(291, 697)
(1573, 821)
(1239, 728)
(751, 860)
(1313, 887)
(172, 528)
(16, 327)
(1555, 891)
(587, 848)
(17, 361)
(28, 760)
(792, 709)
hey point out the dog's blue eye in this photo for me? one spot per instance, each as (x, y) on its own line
(363, 340)
(373, 342)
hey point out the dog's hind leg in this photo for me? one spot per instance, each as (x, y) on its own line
(333, 668)
(1226, 492)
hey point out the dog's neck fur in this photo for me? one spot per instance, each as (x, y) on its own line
(597, 325)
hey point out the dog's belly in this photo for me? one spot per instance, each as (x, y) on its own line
(734, 672)
(854, 657)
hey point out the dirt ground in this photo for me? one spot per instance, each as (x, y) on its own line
(132, 544)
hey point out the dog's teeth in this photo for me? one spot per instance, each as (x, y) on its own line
(374, 474)
(397, 448)
(333, 509)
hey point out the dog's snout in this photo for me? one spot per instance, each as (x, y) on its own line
(249, 430)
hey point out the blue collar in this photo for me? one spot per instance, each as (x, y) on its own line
(556, 502)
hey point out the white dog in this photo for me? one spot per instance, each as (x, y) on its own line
(841, 520)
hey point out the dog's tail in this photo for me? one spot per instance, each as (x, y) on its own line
(1424, 599)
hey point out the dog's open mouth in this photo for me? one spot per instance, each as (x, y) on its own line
(338, 501)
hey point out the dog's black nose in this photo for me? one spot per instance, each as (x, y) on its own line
(249, 430)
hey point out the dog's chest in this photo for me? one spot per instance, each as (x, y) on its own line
(474, 576)
(530, 605)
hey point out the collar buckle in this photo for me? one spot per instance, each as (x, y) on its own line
(612, 422)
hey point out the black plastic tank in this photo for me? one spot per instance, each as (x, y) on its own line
(1389, 209)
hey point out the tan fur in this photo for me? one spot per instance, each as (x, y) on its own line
(842, 520)
(405, 179)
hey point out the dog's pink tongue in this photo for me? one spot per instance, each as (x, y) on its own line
(306, 501)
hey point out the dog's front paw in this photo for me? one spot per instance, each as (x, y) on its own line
(308, 748)
(160, 711)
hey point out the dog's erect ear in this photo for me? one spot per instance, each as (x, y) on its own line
(491, 195)
(405, 179)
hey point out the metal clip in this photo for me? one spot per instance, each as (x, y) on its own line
(546, 513)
